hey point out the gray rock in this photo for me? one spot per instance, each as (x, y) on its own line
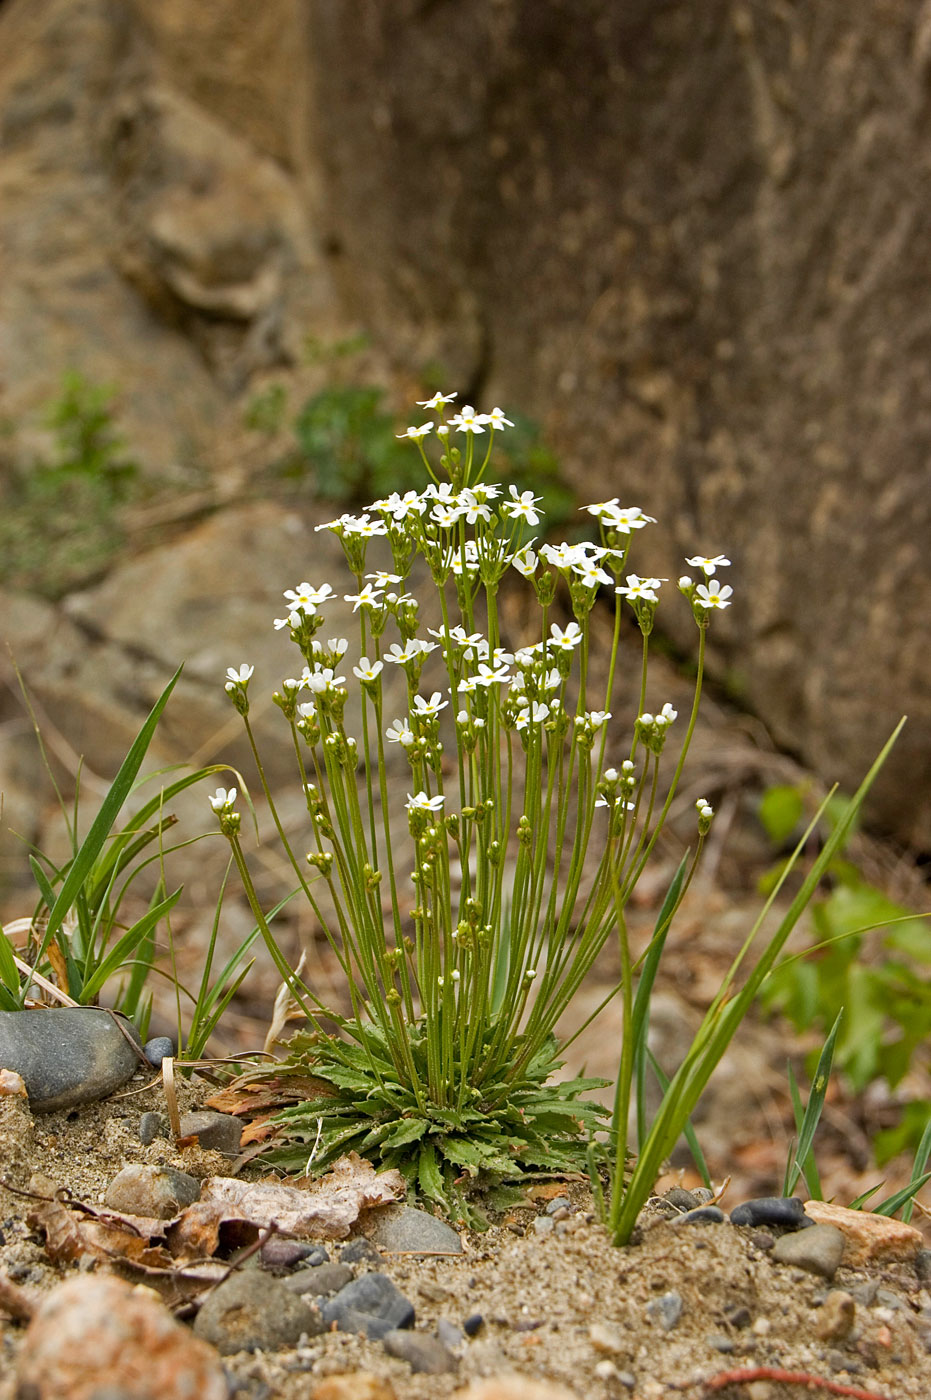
(702, 1215)
(68, 1055)
(151, 1126)
(281, 1253)
(543, 1225)
(252, 1312)
(818, 1250)
(923, 1265)
(159, 1048)
(220, 1132)
(665, 1310)
(448, 1333)
(681, 1199)
(421, 1352)
(320, 1280)
(558, 1203)
(370, 1304)
(473, 1324)
(787, 1211)
(360, 1251)
(155, 1191)
(405, 1230)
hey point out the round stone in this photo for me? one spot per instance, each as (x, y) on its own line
(68, 1055)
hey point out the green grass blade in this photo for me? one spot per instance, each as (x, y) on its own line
(918, 1166)
(102, 825)
(905, 1197)
(698, 1157)
(804, 1156)
(126, 946)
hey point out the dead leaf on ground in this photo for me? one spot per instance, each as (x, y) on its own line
(249, 1094)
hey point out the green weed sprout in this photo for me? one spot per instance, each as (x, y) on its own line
(466, 915)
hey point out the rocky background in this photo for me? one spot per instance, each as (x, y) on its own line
(691, 241)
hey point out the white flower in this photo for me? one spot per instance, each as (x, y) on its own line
(420, 802)
(600, 509)
(400, 732)
(490, 675)
(497, 420)
(566, 638)
(467, 420)
(323, 680)
(474, 507)
(293, 620)
(522, 506)
(368, 671)
(708, 566)
(400, 507)
(445, 516)
(713, 595)
(564, 556)
(631, 518)
(241, 676)
(667, 714)
(684, 582)
(431, 707)
(639, 588)
(307, 710)
(369, 597)
(381, 579)
(436, 401)
(222, 800)
(525, 561)
(399, 656)
(598, 717)
(416, 432)
(590, 573)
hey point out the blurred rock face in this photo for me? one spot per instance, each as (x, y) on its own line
(691, 240)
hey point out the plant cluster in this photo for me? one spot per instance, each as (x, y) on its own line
(60, 516)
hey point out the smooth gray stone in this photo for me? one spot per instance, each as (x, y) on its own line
(159, 1192)
(665, 1310)
(787, 1211)
(252, 1312)
(220, 1132)
(151, 1126)
(370, 1304)
(406, 1230)
(818, 1250)
(422, 1352)
(67, 1055)
(159, 1048)
(320, 1280)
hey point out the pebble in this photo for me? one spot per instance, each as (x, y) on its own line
(680, 1198)
(818, 1250)
(69, 1055)
(353, 1385)
(158, 1192)
(558, 1203)
(786, 1211)
(93, 1332)
(360, 1251)
(422, 1352)
(923, 1265)
(609, 1340)
(406, 1230)
(217, 1132)
(151, 1126)
(370, 1304)
(279, 1252)
(159, 1048)
(702, 1215)
(473, 1324)
(543, 1225)
(721, 1343)
(837, 1316)
(665, 1310)
(871, 1238)
(320, 1280)
(252, 1312)
(448, 1333)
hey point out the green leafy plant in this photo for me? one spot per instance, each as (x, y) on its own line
(79, 939)
(869, 955)
(520, 851)
(60, 518)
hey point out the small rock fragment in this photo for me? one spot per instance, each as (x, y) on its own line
(609, 1340)
(68, 1055)
(151, 1126)
(837, 1316)
(923, 1265)
(319, 1280)
(422, 1352)
(158, 1192)
(665, 1310)
(558, 1203)
(448, 1333)
(818, 1250)
(473, 1324)
(870, 1238)
(252, 1312)
(159, 1048)
(514, 1388)
(786, 1211)
(680, 1198)
(370, 1304)
(543, 1225)
(97, 1335)
(353, 1385)
(12, 1083)
(702, 1215)
(218, 1132)
(360, 1251)
(406, 1230)
(279, 1252)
